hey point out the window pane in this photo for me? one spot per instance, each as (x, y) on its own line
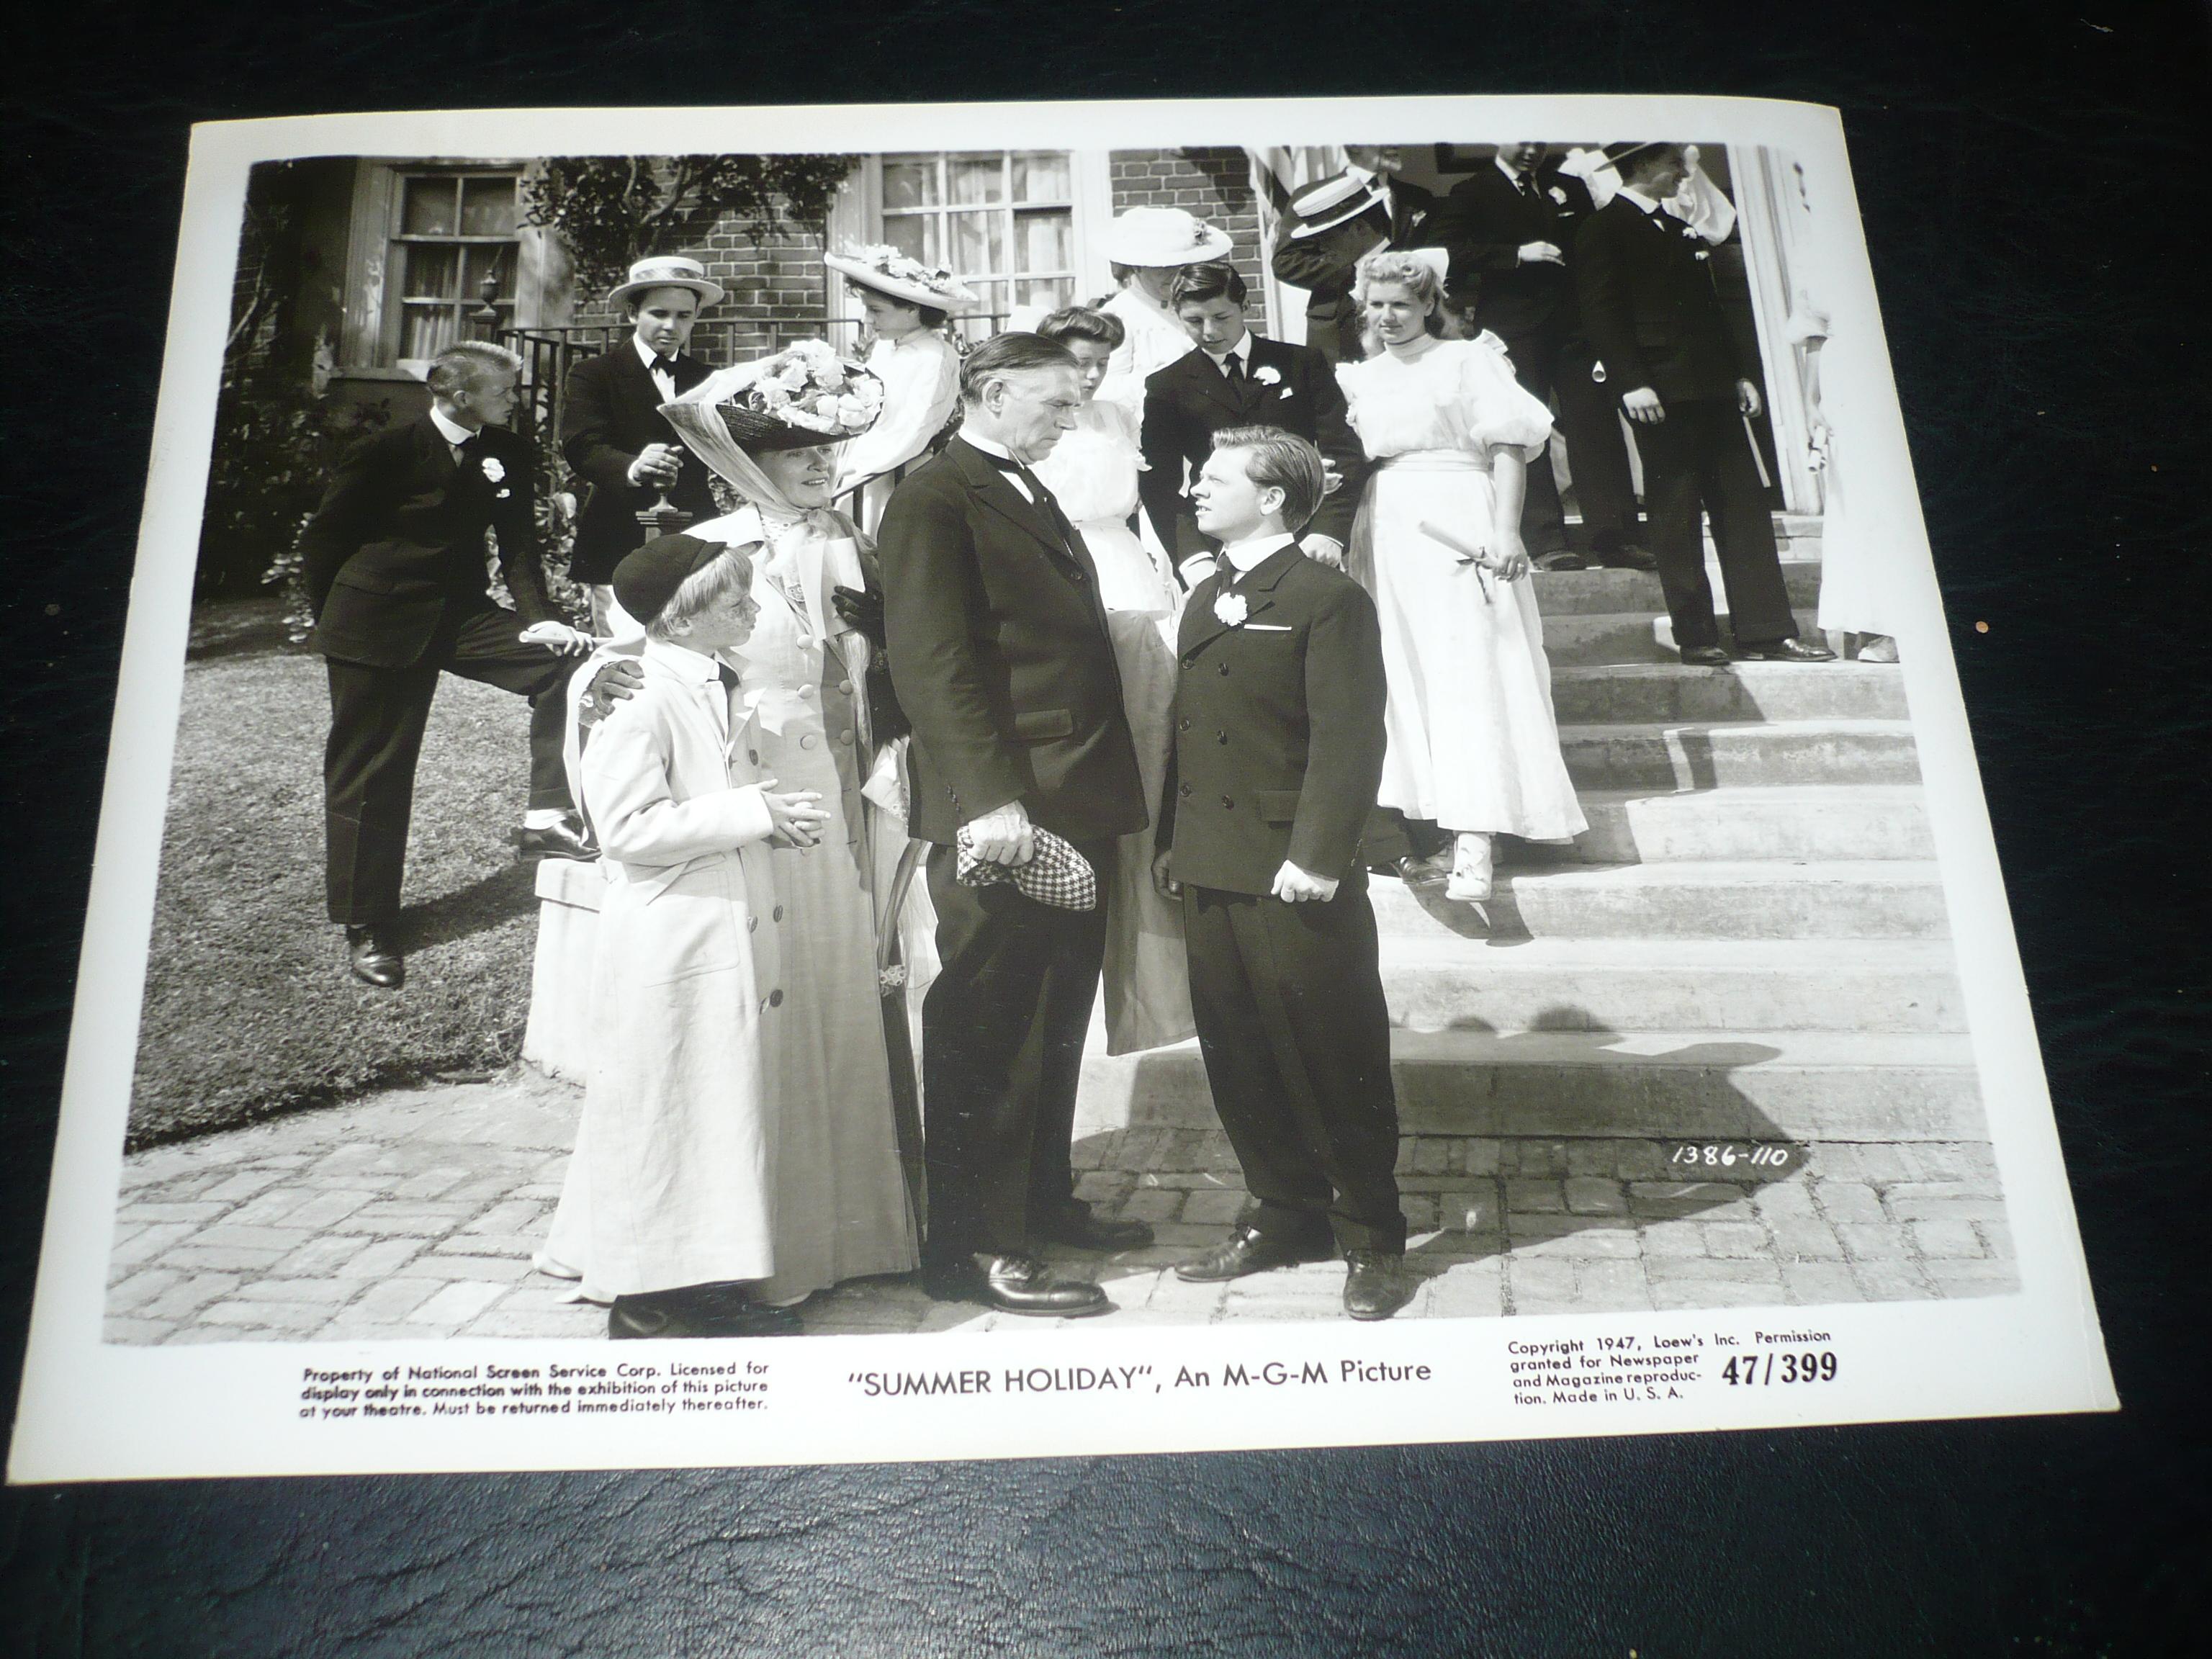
(914, 235)
(426, 330)
(977, 179)
(991, 298)
(432, 272)
(1052, 292)
(429, 207)
(909, 181)
(481, 262)
(488, 207)
(1044, 241)
(1040, 176)
(979, 243)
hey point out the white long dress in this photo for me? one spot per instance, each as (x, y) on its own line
(1092, 472)
(1472, 743)
(840, 1208)
(921, 374)
(1152, 339)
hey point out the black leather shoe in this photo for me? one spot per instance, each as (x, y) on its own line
(1785, 651)
(1248, 1250)
(1705, 656)
(564, 840)
(651, 1318)
(374, 958)
(1627, 556)
(1375, 1284)
(1014, 1285)
(1560, 559)
(1084, 1230)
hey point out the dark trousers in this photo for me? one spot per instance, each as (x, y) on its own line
(1003, 1028)
(377, 718)
(1296, 1037)
(1597, 452)
(1543, 523)
(1699, 460)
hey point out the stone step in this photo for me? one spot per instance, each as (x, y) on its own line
(1791, 822)
(1630, 636)
(1739, 1086)
(1601, 693)
(1719, 899)
(1708, 755)
(1598, 591)
(1443, 982)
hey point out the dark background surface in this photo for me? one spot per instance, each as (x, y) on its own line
(2032, 178)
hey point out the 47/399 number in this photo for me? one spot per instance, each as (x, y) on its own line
(1761, 1369)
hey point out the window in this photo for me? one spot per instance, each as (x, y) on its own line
(454, 232)
(1003, 219)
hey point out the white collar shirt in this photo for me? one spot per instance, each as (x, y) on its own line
(992, 447)
(1240, 354)
(1244, 557)
(662, 369)
(1637, 198)
(1513, 175)
(450, 430)
(698, 670)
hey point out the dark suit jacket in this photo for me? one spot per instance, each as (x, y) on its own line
(998, 649)
(1324, 265)
(1190, 400)
(1278, 734)
(399, 541)
(610, 410)
(1484, 225)
(1650, 308)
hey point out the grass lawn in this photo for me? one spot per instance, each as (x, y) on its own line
(249, 1009)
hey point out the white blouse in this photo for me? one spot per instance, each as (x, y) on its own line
(1458, 394)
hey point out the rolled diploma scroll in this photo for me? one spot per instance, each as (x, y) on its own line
(1473, 555)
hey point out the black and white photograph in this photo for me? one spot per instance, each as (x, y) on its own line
(1132, 742)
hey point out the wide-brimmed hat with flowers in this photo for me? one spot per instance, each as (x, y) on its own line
(668, 270)
(1157, 236)
(887, 271)
(803, 395)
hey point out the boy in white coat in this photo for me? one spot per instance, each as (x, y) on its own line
(668, 1199)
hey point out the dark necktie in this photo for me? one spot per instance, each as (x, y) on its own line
(726, 674)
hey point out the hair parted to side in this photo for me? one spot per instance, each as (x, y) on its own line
(703, 589)
(462, 367)
(1276, 459)
(1009, 353)
(1215, 280)
(1082, 323)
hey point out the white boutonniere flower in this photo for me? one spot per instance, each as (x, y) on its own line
(1703, 253)
(1267, 374)
(1231, 609)
(502, 495)
(1559, 195)
(493, 470)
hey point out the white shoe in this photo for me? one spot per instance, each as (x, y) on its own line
(1470, 880)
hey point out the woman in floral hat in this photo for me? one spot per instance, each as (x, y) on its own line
(1147, 246)
(907, 304)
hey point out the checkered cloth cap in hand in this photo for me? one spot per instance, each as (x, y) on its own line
(1058, 876)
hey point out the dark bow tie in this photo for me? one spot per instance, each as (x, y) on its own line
(665, 366)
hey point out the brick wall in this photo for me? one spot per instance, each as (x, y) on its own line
(1214, 183)
(775, 294)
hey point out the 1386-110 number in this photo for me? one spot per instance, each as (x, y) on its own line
(1761, 1369)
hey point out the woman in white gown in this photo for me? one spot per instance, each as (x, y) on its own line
(1146, 246)
(907, 304)
(1472, 743)
(841, 1204)
(1092, 472)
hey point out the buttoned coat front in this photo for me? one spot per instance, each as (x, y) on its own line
(672, 1181)
(1279, 729)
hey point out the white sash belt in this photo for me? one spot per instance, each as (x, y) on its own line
(1437, 460)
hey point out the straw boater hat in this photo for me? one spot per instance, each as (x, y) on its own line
(887, 271)
(1617, 154)
(1157, 236)
(668, 270)
(1328, 203)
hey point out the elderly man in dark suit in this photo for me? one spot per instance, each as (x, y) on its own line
(1683, 376)
(999, 650)
(1334, 222)
(1236, 378)
(613, 432)
(1279, 741)
(1512, 225)
(394, 563)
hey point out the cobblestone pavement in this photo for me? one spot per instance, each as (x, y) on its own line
(414, 1214)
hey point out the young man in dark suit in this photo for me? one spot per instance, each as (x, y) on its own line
(1643, 278)
(395, 571)
(1236, 379)
(1512, 225)
(613, 432)
(1334, 222)
(998, 646)
(1279, 742)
